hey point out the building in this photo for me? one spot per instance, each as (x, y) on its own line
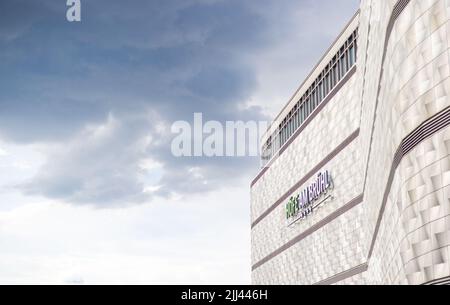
(355, 187)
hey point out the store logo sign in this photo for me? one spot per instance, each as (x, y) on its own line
(301, 206)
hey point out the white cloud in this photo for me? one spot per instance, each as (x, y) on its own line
(104, 164)
(20, 163)
(167, 242)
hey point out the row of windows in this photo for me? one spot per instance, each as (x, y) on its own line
(328, 79)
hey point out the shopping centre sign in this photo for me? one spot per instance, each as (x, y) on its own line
(301, 206)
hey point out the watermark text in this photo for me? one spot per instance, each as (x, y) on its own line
(74, 10)
(216, 139)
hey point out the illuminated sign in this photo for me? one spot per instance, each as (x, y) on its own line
(301, 206)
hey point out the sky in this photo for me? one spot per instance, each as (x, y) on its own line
(90, 192)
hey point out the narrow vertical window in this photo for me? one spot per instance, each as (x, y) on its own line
(352, 54)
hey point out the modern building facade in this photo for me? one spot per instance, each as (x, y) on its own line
(355, 184)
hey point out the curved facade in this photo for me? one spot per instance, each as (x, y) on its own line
(381, 131)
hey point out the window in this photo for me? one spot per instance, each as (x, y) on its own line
(352, 55)
(302, 114)
(327, 80)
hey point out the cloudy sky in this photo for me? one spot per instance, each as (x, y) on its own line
(89, 190)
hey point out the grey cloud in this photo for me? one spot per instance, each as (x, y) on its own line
(100, 166)
(169, 58)
(58, 74)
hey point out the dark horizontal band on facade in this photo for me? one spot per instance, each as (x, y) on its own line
(338, 87)
(440, 282)
(347, 207)
(425, 130)
(310, 174)
(344, 275)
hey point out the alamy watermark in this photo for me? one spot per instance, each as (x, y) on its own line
(74, 11)
(216, 139)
